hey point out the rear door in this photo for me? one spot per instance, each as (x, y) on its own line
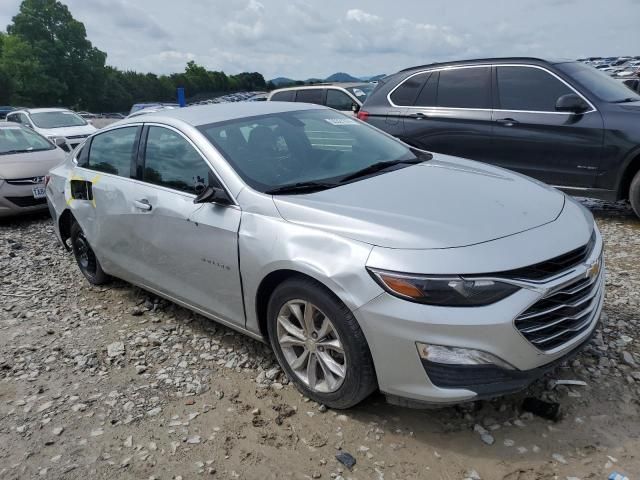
(311, 95)
(531, 137)
(187, 251)
(448, 110)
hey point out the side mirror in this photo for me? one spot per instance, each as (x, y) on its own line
(571, 103)
(213, 195)
(355, 108)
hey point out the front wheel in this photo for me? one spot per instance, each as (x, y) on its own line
(319, 344)
(86, 258)
(634, 194)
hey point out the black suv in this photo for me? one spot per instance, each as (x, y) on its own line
(562, 122)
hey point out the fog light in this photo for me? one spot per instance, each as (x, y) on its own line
(458, 356)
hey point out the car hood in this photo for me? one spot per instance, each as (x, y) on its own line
(443, 203)
(67, 131)
(32, 164)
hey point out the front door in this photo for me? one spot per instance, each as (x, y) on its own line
(532, 138)
(187, 251)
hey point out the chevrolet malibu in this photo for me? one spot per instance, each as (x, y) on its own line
(365, 263)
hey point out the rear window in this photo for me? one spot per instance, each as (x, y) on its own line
(465, 88)
(407, 92)
(113, 151)
(286, 96)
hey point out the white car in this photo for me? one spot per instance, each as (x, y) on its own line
(61, 126)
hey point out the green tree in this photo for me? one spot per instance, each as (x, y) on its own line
(72, 67)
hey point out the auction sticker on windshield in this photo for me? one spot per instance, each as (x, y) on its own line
(341, 121)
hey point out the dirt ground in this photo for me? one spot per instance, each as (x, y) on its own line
(112, 382)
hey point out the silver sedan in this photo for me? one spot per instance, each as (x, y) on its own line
(365, 263)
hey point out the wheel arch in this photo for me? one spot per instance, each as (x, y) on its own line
(64, 226)
(631, 168)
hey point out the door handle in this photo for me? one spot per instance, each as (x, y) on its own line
(507, 122)
(418, 115)
(142, 204)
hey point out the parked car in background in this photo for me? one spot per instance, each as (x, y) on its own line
(61, 126)
(4, 110)
(346, 97)
(564, 123)
(25, 160)
(366, 263)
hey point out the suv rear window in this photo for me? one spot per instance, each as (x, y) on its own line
(465, 88)
(286, 96)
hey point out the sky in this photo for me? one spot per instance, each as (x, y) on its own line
(305, 38)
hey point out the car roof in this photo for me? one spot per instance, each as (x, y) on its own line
(219, 112)
(41, 110)
(495, 60)
(323, 85)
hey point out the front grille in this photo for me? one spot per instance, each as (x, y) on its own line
(561, 315)
(550, 268)
(25, 181)
(27, 201)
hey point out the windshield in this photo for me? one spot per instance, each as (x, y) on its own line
(270, 151)
(361, 92)
(600, 84)
(16, 139)
(57, 119)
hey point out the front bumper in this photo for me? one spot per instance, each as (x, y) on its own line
(19, 199)
(393, 326)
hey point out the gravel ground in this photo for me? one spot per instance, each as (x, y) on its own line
(112, 382)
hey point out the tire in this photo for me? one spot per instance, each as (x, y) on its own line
(290, 340)
(634, 194)
(86, 259)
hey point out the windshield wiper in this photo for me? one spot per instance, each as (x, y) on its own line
(9, 152)
(301, 187)
(626, 100)
(377, 167)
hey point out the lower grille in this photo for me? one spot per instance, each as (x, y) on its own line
(27, 201)
(561, 315)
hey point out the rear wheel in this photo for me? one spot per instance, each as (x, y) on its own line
(319, 344)
(634, 194)
(86, 258)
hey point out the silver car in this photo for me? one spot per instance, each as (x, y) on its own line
(25, 160)
(365, 263)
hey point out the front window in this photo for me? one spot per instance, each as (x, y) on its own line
(15, 139)
(57, 119)
(600, 84)
(529, 89)
(271, 151)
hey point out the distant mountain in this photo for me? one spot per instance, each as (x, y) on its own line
(336, 77)
(341, 77)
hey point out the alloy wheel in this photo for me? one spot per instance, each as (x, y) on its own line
(311, 346)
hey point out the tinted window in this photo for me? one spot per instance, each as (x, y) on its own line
(427, 96)
(172, 162)
(112, 152)
(599, 83)
(527, 88)
(286, 96)
(407, 92)
(339, 100)
(310, 95)
(278, 149)
(465, 88)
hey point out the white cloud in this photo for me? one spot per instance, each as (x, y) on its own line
(360, 16)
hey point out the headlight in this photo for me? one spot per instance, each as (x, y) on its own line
(451, 291)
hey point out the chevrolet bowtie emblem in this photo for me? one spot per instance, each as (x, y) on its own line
(593, 269)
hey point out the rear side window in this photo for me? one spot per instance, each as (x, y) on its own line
(113, 151)
(310, 95)
(528, 88)
(339, 100)
(407, 92)
(465, 88)
(171, 161)
(286, 96)
(428, 94)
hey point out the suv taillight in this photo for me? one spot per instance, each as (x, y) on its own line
(363, 115)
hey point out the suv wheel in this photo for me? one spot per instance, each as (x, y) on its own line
(87, 261)
(634, 194)
(319, 344)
